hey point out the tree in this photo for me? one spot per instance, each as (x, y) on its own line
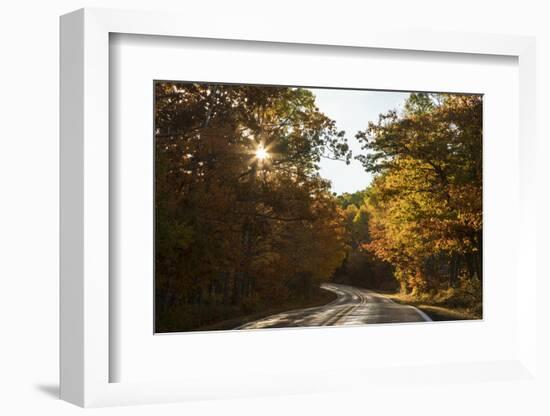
(236, 227)
(426, 201)
(360, 267)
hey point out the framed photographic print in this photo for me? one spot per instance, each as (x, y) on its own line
(238, 209)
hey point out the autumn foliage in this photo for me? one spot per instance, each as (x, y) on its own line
(235, 232)
(425, 203)
(245, 223)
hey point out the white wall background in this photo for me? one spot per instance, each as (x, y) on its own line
(29, 206)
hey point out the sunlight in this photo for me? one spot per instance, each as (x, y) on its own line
(261, 153)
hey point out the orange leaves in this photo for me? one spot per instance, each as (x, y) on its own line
(427, 198)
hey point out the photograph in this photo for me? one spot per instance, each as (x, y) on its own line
(300, 206)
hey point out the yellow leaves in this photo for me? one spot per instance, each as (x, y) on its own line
(426, 199)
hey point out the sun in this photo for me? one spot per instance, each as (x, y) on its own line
(261, 153)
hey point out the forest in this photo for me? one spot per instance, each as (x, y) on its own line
(246, 226)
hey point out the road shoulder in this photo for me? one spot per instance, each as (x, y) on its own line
(435, 312)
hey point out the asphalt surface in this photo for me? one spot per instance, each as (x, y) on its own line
(353, 306)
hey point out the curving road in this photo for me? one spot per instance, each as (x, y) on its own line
(353, 306)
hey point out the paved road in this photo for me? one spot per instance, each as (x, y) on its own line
(353, 306)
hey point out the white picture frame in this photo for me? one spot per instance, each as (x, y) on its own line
(85, 164)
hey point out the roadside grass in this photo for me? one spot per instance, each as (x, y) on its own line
(446, 305)
(179, 320)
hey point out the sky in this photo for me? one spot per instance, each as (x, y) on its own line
(352, 110)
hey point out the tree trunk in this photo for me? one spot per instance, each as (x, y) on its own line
(236, 298)
(225, 290)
